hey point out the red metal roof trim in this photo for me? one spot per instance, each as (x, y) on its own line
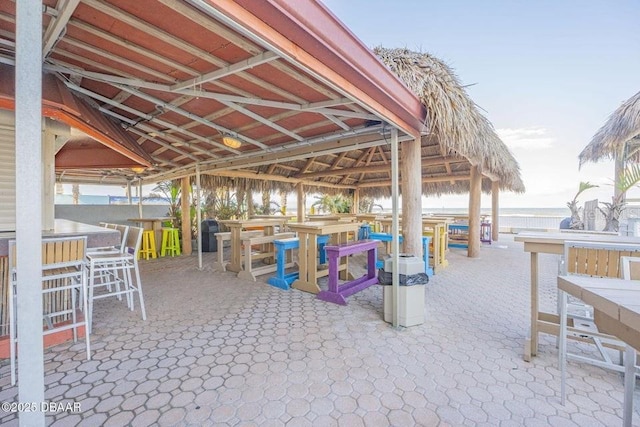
(60, 104)
(308, 32)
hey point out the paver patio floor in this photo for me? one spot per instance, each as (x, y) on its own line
(216, 350)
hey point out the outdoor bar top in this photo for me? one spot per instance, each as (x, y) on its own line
(96, 236)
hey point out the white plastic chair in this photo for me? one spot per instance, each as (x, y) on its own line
(111, 274)
(63, 282)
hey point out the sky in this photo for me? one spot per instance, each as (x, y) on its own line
(546, 73)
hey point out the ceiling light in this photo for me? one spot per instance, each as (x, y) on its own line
(138, 169)
(231, 142)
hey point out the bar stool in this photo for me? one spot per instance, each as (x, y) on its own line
(148, 245)
(170, 242)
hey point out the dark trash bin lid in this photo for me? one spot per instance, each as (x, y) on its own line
(209, 225)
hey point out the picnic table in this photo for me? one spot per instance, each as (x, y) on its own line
(308, 233)
(236, 226)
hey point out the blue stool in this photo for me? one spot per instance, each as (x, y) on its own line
(282, 279)
(322, 242)
(383, 237)
(364, 231)
(426, 241)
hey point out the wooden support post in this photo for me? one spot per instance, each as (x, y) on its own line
(302, 198)
(475, 190)
(185, 208)
(355, 209)
(412, 196)
(619, 167)
(250, 208)
(495, 210)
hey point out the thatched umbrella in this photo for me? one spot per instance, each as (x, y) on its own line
(619, 139)
(454, 120)
(622, 127)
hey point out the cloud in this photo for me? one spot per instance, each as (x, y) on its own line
(526, 138)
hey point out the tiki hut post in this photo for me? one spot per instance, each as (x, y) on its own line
(412, 196)
(475, 191)
(619, 168)
(301, 202)
(186, 215)
(495, 214)
(355, 207)
(250, 208)
(140, 198)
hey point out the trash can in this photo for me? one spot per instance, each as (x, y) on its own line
(410, 292)
(208, 230)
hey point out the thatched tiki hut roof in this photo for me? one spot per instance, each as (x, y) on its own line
(622, 126)
(456, 126)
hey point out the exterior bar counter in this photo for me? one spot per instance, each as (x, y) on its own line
(96, 237)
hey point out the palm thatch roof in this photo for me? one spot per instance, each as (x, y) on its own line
(622, 126)
(454, 120)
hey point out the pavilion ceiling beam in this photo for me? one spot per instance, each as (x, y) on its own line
(307, 165)
(163, 144)
(337, 121)
(110, 56)
(322, 107)
(155, 56)
(247, 45)
(425, 180)
(142, 115)
(146, 131)
(187, 114)
(245, 64)
(156, 32)
(296, 151)
(358, 162)
(262, 120)
(57, 25)
(268, 177)
(353, 170)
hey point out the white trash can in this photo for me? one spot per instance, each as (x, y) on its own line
(411, 298)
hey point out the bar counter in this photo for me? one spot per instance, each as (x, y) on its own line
(96, 236)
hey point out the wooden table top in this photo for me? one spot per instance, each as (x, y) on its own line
(164, 218)
(617, 298)
(257, 222)
(322, 227)
(561, 237)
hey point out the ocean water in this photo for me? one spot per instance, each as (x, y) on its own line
(541, 212)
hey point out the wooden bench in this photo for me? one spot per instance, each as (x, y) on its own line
(250, 273)
(337, 293)
(221, 264)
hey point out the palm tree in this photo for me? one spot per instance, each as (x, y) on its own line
(332, 204)
(576, 222)
(629, 178)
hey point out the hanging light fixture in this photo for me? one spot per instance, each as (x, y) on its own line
(138, 169)
(231, 141)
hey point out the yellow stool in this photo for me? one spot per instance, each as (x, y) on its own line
(148, 245)
(170, 242)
